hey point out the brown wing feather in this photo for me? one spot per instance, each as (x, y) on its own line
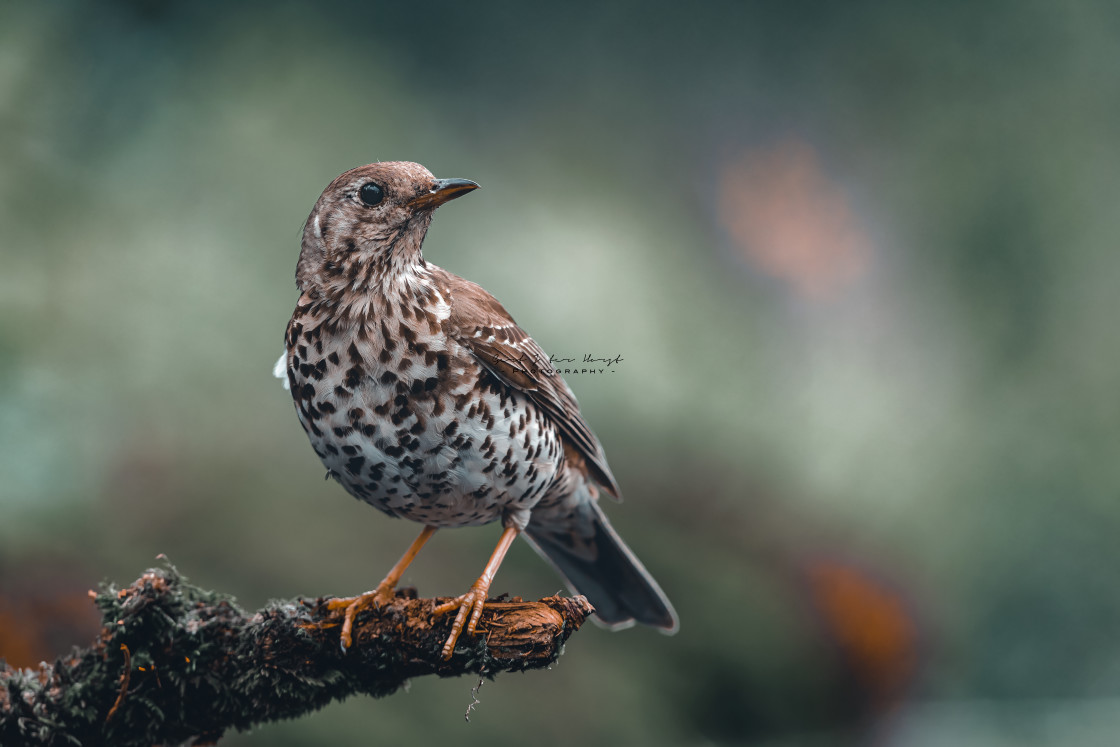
(484, 327)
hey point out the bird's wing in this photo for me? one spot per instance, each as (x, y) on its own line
(483, 326)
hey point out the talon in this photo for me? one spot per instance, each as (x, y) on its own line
(375, 600)
(472, 603)
(379, 597)
(474, 600)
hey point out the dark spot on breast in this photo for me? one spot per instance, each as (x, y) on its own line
(354, 376)
(333, 357)
(293, 333)
(355, 464)
(386, 338)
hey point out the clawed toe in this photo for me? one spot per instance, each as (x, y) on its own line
(376, 599)
(470, 606)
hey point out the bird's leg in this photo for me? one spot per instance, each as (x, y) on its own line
(472, 602)
(383, 594)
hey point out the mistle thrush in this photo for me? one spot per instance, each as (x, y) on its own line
(424, 398)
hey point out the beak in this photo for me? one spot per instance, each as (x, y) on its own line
(443, 191)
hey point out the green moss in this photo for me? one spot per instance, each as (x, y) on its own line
(197, 666)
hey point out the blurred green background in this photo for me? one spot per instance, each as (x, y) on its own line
(859, 260)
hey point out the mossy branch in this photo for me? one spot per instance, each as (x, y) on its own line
(175, 663)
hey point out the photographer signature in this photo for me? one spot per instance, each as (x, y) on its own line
(561, 365)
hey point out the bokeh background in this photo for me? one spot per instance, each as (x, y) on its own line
(859, 259)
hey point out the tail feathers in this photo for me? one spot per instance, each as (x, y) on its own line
(595, 562)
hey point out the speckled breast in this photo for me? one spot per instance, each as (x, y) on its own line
(408, 421)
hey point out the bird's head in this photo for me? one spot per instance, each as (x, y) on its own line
(371, 221)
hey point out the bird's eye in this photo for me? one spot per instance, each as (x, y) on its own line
(371, 193)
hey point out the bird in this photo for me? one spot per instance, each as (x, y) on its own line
(424, 398)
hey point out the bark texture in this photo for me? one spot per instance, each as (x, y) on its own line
(178, 664)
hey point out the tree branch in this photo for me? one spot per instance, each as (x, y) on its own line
(175, 663)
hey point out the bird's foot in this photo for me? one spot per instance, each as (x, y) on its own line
(376, 599)
(469, 605)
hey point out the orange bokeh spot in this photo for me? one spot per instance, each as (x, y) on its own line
(41, 627)
(871, 625)
(790, 221)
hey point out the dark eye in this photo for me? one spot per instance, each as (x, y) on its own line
(371, 193)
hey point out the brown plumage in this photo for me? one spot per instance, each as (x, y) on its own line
(424, 398)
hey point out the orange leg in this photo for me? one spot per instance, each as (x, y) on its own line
(383, 594)
(472, 602)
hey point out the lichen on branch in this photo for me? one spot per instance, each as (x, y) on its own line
(175, 663)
